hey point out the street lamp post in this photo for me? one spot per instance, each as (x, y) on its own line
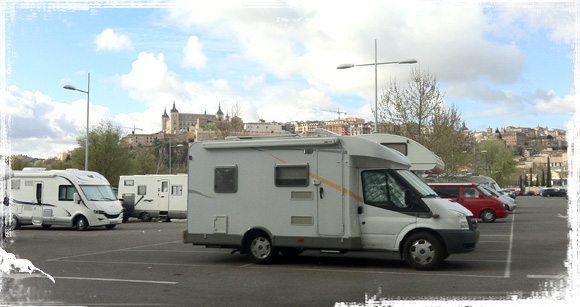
(345, 66)
(179, 145)
(72, 88)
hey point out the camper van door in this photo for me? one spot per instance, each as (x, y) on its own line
(383, 213)
(163, 193)
(37, 203)
(330, 192)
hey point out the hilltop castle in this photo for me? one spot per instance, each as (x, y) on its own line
(176, 122)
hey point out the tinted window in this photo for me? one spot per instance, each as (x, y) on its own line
(447, 192)
(226, 179)
(470, 192)
(66, 192)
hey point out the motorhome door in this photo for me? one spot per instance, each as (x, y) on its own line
(163, 193)
(330, 192)
(37, 204)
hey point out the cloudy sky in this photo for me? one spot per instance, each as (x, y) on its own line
(501, 64)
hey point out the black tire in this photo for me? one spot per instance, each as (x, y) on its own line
(15, 223)
(487, 216)
(111, 226)
(145, 217)
(45, 226)
(423, 251)
(259, 248)
(81, 223)
(291, 252)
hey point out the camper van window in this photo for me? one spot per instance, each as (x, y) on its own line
(400, 147)
(99, 192)
(469, 192)
(66, 192)
(226, 179)
(381, 189)
(129, 183)
(447, 192)
(16, 184)
(291, 175)
(176, 190)
(164, 186)
(142, 190)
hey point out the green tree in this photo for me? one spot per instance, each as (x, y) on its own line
(144, 162)
(106, 155)
(419, 113)
(496, 160)
(19, 162)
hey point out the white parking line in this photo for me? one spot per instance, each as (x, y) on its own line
(508, 265)
(119, 280)
(110, 251)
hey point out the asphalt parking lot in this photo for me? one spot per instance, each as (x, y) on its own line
(139, 263)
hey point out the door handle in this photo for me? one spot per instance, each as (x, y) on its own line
(321, 190)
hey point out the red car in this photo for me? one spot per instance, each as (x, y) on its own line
(480, 202)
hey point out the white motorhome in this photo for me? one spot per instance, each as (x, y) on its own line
(71, 197)
(334, 194)
(423, 161)
(154, 196)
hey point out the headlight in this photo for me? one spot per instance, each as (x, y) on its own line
(99, 211)
(463, 223)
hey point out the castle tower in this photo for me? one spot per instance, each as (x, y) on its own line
(164, 119)
(219, 115)
(174, 120)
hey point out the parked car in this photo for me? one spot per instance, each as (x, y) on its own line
(529, 193)
(508, 201)
(510, 193)
(476, 199)
(550, 192)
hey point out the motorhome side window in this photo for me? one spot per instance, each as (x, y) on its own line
(400, 147)
(176, 190)
(226, 179)
(16, 184)
(292, 175)
(141, 190)
(129, 182)
(66, 192)
(381, 189)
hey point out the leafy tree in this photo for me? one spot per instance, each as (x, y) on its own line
(19, 162)
(144, 162)
(106, 155)
(419, 113)
(495, 159)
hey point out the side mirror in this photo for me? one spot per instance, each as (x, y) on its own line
(76, 198)
(6, 201)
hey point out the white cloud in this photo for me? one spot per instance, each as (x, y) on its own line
(550, 103)
(193, 57)
(110, 41)
(34, 118)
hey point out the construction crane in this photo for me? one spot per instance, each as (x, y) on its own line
(134, 128)
(337, 112)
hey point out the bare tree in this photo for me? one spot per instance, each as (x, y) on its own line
(419, 112)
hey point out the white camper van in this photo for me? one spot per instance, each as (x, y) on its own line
(333, 194)
(423, 161)
(69, 197)
(154, 196)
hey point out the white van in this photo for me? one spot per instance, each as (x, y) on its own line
(334, 194)
(71, 197)
(154, 196)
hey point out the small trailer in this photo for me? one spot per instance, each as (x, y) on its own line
(71, 197)
(154, 196)
(262, 196)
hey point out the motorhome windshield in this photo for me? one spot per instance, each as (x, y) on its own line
(417, 183)
(98, 192)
